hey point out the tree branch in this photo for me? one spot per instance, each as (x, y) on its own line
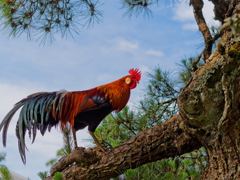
(162, 141)
(203, 28)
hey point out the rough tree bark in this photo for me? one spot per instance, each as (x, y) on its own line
(165, 140)
(209, 116)
(210, 109)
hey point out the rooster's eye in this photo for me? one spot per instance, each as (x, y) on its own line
(128, 80)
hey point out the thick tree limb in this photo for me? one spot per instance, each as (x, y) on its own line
(210, 108)
(162, 141)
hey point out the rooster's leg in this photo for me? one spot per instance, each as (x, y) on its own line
(74, 138)
(96, 141)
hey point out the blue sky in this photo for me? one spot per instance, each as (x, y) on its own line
(96, 56)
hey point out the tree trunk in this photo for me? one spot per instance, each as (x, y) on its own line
(209, 115)
(210, 108)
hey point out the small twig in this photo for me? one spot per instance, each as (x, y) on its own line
(168, 101)
(216, 36)
(123, 123)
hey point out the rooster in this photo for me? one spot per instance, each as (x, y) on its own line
(43, 110)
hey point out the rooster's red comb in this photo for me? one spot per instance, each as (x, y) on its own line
(136, 73)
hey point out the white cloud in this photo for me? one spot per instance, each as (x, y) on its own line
(125, 45)
(155, 53)
(183, 12)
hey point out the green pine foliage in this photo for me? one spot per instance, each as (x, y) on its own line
(160, 100)
(43, 175)
(167, 169)
(186, 69)
(45, 18)
(67, 149)
(3, 169)
(67, 141)
(58, 176)
(117, 128)
(5, 173)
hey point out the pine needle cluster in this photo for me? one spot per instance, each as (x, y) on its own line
(45, 18)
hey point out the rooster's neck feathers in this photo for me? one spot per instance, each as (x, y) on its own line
(118, 92)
